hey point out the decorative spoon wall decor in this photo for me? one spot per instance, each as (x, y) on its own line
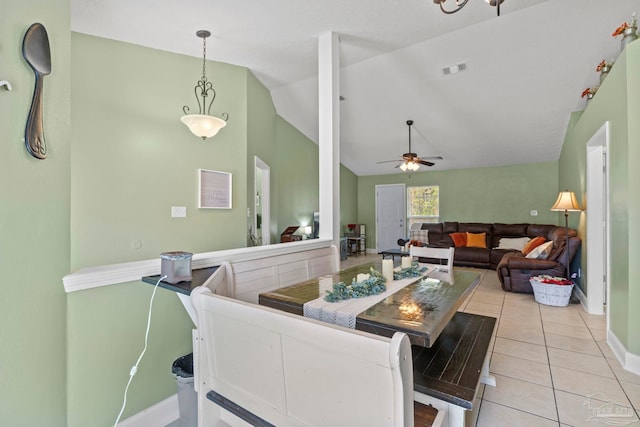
(35, 49)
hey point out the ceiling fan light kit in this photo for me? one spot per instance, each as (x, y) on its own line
(459, 4)
(410, 161)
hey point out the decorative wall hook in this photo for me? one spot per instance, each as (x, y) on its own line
(5, 84)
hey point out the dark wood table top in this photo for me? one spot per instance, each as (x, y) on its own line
(420, 310)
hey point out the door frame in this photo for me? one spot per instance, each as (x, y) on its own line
(404, 210)
(597, 227)
(265, 199)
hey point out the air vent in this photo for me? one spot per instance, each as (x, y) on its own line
(454, 69)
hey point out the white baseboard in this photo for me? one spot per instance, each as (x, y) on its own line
(582, 297)
(160, 414)
(629, 361)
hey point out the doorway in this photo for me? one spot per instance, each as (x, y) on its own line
(390, 215)
(597, 222)
(262, 202)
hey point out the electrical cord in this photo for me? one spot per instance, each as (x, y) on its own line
(134, 368)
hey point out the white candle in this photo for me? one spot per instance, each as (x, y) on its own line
(387, 270)
(406, 262)
(325, 284)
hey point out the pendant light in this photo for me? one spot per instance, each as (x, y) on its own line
(204, 124)
(459, 4)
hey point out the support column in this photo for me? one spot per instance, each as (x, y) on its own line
(329, 135)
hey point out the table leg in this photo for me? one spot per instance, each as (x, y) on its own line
(485, 376)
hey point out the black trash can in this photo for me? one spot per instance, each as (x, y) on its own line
(182, 369)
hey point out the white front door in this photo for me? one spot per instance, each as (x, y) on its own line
(390, 215)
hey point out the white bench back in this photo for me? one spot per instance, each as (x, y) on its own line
(245, 280)
(293, 371)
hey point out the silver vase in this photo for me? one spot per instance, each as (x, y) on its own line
(604, 72)
(628, 35)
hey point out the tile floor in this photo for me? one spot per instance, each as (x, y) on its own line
(547, 362)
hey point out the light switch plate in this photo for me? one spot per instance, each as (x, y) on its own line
(534, 213)
(178, 211)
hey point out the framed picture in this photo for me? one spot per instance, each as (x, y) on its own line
(214, 189)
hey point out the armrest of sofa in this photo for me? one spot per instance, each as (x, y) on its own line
(523, 263)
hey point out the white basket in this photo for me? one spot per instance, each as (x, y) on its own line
(550, 294)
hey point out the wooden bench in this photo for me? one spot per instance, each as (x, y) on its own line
(245, 278)
(262, 366)
(448, 375)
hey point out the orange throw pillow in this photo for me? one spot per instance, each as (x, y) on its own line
(459, 239)
(477, 240)
(532, 244)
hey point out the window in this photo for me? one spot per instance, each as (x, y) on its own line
(423, 204)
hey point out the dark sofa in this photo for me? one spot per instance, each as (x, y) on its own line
(439, 236)
(514, 270)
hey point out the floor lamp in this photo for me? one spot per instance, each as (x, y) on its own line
(566, 202)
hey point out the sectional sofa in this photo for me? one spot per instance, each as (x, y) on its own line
(497, 240)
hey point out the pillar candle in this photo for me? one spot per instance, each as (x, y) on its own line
(406, 262)
(387, 270)
(325, 284)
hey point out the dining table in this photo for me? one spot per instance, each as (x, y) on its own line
(422, 308)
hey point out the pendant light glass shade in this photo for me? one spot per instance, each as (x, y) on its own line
(203, 125)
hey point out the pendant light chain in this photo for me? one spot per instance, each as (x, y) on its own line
(204, 59)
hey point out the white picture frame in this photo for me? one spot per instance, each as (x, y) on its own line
(214, 189)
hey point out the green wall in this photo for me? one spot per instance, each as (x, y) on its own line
(297, 177)
(106, 335)
(612, 103)
(34, 219)
(348, 197)
(261, 137)
(504, 194)
(132, 158)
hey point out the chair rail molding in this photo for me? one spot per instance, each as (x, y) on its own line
(105, 275)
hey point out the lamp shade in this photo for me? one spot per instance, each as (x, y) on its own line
(203, 125)
(566, 202)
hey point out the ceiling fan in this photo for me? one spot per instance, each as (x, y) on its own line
(410, 161)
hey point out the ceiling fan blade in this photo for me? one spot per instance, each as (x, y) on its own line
(424, 162)
(433, 157)
(389, 161)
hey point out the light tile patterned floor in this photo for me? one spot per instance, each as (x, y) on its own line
(547, 361)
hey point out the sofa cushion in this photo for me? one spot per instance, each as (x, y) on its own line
(475, 227)
(473, 256)
(532, 244)
(476, 240)
(435, 227)
(515, 243)
(507, 230)
(449, 227)
(543, 230)
(459, 239)
(542, 251)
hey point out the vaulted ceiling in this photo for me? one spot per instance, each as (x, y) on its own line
(525, 70)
